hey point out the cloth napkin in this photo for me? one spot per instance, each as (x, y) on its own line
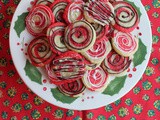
(18, 102)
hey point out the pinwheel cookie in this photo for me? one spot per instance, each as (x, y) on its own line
(98, 51)
(79, 36)
(96, 79)
(39, 51)
(74, 12)
(126, 17)
(55, 34)
(73, 89)
(116, 64)
(38, 20)
(58, 7)
(124, 43)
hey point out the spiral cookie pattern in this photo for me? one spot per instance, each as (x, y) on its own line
(98, 52)
(58, 8)
(80, 36)
(39, 18)
(73, 89)
(39, 51)
(96, 79)
(127, 18)
(73, 12)
(124, 43)
(55, 34)
(115, 63)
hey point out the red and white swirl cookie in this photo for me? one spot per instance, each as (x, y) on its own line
(99, 12)
(80, 36)
(73, 89)
(98, 51)
(126, 16)
(124, 43)
(55, 34)
(39, 51)
(38, 19)
(116, 64)
(96, 79)
(73, 12)
(58, 8)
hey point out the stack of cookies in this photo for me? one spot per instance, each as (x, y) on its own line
(80, 43)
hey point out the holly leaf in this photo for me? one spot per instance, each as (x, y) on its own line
(115, 86)
(140, 54)
(61, 97)
(20, 24)
(137, 8)
(33, 73)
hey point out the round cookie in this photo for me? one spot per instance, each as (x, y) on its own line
(72, 89)
(73, 12)
(116, 64)
(58, 8)
(55, 34)
(126, 17)
(69, 65)
(99, 12)
(124, 43)
(98, 51)
(38, 19)
(80, 36)
(39, 51)
(96, 79)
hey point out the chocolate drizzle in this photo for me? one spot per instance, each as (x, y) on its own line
(99, 11)
(68, 68)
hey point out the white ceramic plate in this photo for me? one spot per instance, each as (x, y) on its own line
(39, 83)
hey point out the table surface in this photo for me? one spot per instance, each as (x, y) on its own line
(18, 102)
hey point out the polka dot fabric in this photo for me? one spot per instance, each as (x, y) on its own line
(18, 102)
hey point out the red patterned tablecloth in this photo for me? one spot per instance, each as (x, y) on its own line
(17, 102)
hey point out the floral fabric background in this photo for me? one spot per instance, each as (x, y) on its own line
(18, 102)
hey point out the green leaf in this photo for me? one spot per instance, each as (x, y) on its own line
(115, 86)
(33, 73)
(140, 54)
(137, 8)
(20, 23)
(61, 97)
